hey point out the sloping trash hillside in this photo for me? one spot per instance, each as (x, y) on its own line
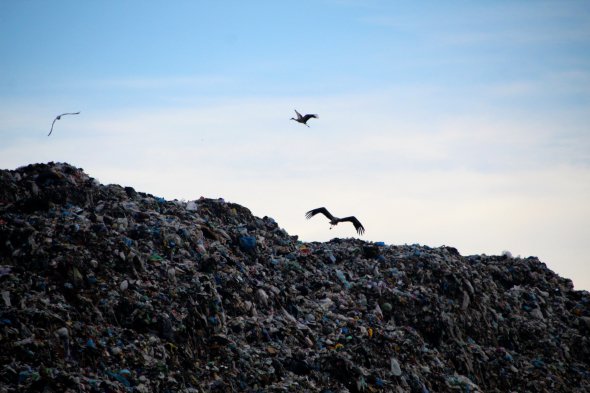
(106, 289)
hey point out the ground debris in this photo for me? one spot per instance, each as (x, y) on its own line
(106, 289)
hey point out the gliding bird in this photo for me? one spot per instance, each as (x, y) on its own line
(304, 119)
(59, 118)
(335, 220)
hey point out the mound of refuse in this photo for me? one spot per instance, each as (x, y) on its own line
(106, 289)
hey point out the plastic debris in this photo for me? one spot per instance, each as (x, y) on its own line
(106, 289)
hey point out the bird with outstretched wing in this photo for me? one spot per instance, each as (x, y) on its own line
(58, 117)
(304, 119)
(335, 220)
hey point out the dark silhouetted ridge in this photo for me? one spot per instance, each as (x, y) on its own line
(107, 289)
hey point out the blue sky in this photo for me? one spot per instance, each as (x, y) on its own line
(458, 123)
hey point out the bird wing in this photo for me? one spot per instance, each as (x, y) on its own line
(298, 114)
(58, 117)
(307, 117)
(54, 120)
(357, 224)
(322, 210)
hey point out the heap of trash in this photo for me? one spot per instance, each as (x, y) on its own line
(106, 289)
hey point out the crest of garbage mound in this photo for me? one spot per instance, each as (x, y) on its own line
(106, 289)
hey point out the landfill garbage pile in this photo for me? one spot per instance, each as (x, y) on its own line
(106, 289)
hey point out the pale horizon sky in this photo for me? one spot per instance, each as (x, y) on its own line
(459, 123)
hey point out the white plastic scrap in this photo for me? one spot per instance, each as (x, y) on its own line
(6, 298)
(395, 367)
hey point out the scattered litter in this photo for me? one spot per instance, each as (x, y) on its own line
(107, 289)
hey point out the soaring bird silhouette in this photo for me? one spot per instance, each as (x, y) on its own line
(335, 220)
(59, 118)
(304, 119)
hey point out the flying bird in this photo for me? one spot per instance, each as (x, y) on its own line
(304, 119)
(59, 118)
(335, 220)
